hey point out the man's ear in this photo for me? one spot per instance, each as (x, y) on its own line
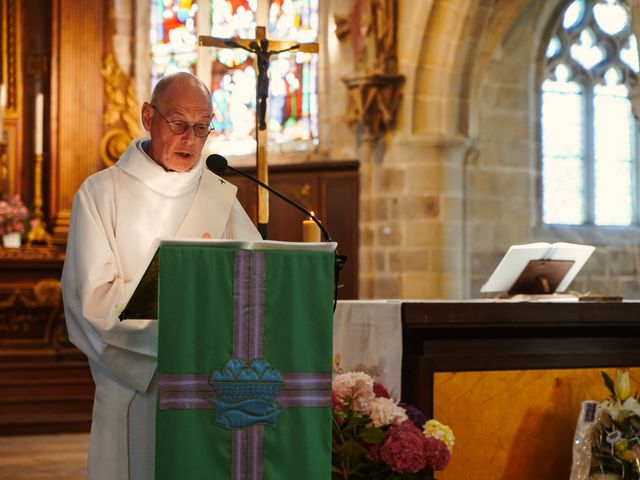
(146, 113)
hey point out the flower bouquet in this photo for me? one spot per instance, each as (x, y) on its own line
(374, 437)
(13, 215)
(615, 447)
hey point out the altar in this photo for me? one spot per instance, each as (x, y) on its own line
(509, 377)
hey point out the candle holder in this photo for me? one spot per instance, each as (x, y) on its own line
(38, 233)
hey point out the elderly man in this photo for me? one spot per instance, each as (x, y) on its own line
(158, 188)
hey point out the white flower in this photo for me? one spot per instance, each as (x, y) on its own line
(385, 411)
(632, 405)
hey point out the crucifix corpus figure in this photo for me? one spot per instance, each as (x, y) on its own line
(263, 49)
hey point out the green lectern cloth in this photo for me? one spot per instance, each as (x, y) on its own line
(262, 319)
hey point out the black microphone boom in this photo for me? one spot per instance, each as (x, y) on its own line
(218, 164)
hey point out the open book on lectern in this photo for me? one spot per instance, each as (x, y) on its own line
(141, 298)
(538, 268)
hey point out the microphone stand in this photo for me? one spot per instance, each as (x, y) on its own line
(340, 260)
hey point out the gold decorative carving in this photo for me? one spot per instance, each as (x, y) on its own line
(38, 232)
(11, 66)
(373, 101)
(29, 253)
(11, 76)
(121, 111)
(32, 316)
(4, 167)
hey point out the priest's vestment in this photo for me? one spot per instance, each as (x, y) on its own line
(116, 215)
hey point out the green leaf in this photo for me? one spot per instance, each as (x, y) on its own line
(372, 436)
(352, 448)
(609, 384)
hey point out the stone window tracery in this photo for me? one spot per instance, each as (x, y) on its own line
(588, 129)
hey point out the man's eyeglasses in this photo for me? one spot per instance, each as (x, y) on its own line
(179, 127)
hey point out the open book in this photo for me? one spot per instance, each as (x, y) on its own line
(538, 268)
(141, 298)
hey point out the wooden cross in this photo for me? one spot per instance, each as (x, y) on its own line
(263, 49)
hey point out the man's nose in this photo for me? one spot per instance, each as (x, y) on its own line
(189, 135)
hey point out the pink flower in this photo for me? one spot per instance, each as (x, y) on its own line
(13, 213)
(380, 391)
(336, 403)
(404, 448)
(374, 453)
(355, 389)
(437, 453)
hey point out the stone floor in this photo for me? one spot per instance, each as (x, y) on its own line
(39, 457)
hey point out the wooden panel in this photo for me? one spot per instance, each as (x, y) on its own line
(45, 384)
(340, 202)
(496, 416)
(329, 189)
(510, 376)
(45, 396)
(79, 48)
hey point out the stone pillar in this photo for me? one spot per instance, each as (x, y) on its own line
(412, 219)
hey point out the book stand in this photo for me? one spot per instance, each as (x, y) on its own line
(541, 277)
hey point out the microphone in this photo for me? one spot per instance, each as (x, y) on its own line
(218, 164)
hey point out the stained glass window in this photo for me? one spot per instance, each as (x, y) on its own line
(173, 37)
(589, 153)
(292, 115)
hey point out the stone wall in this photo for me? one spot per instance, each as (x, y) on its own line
(457, 183)
(445, 192)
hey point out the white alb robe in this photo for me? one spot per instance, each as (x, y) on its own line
(116, 215)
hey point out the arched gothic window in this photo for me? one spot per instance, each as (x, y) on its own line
(589, 132)
(230, 73)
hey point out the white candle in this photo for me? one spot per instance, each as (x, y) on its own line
(262, 15)
(39, 123)
(310, 231)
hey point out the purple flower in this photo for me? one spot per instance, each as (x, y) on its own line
(414, 414)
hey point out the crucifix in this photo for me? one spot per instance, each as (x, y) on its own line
(263, 49)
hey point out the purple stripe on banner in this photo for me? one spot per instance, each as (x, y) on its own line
(256, 349)
(193, 391)
(184, 403)
(304, 399)
(256, 465)
(307, 381)
(178, 392)
(241, 294)
(184, 382)
(238, 454)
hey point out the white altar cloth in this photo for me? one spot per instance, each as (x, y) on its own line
(367, 336)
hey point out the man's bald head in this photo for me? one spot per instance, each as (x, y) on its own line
(178, 100)
(177, 84)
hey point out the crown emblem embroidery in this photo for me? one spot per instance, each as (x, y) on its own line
(246, 393)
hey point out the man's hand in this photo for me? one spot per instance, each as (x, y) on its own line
(205, 235)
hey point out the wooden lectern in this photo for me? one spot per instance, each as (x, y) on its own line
(244, 359)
